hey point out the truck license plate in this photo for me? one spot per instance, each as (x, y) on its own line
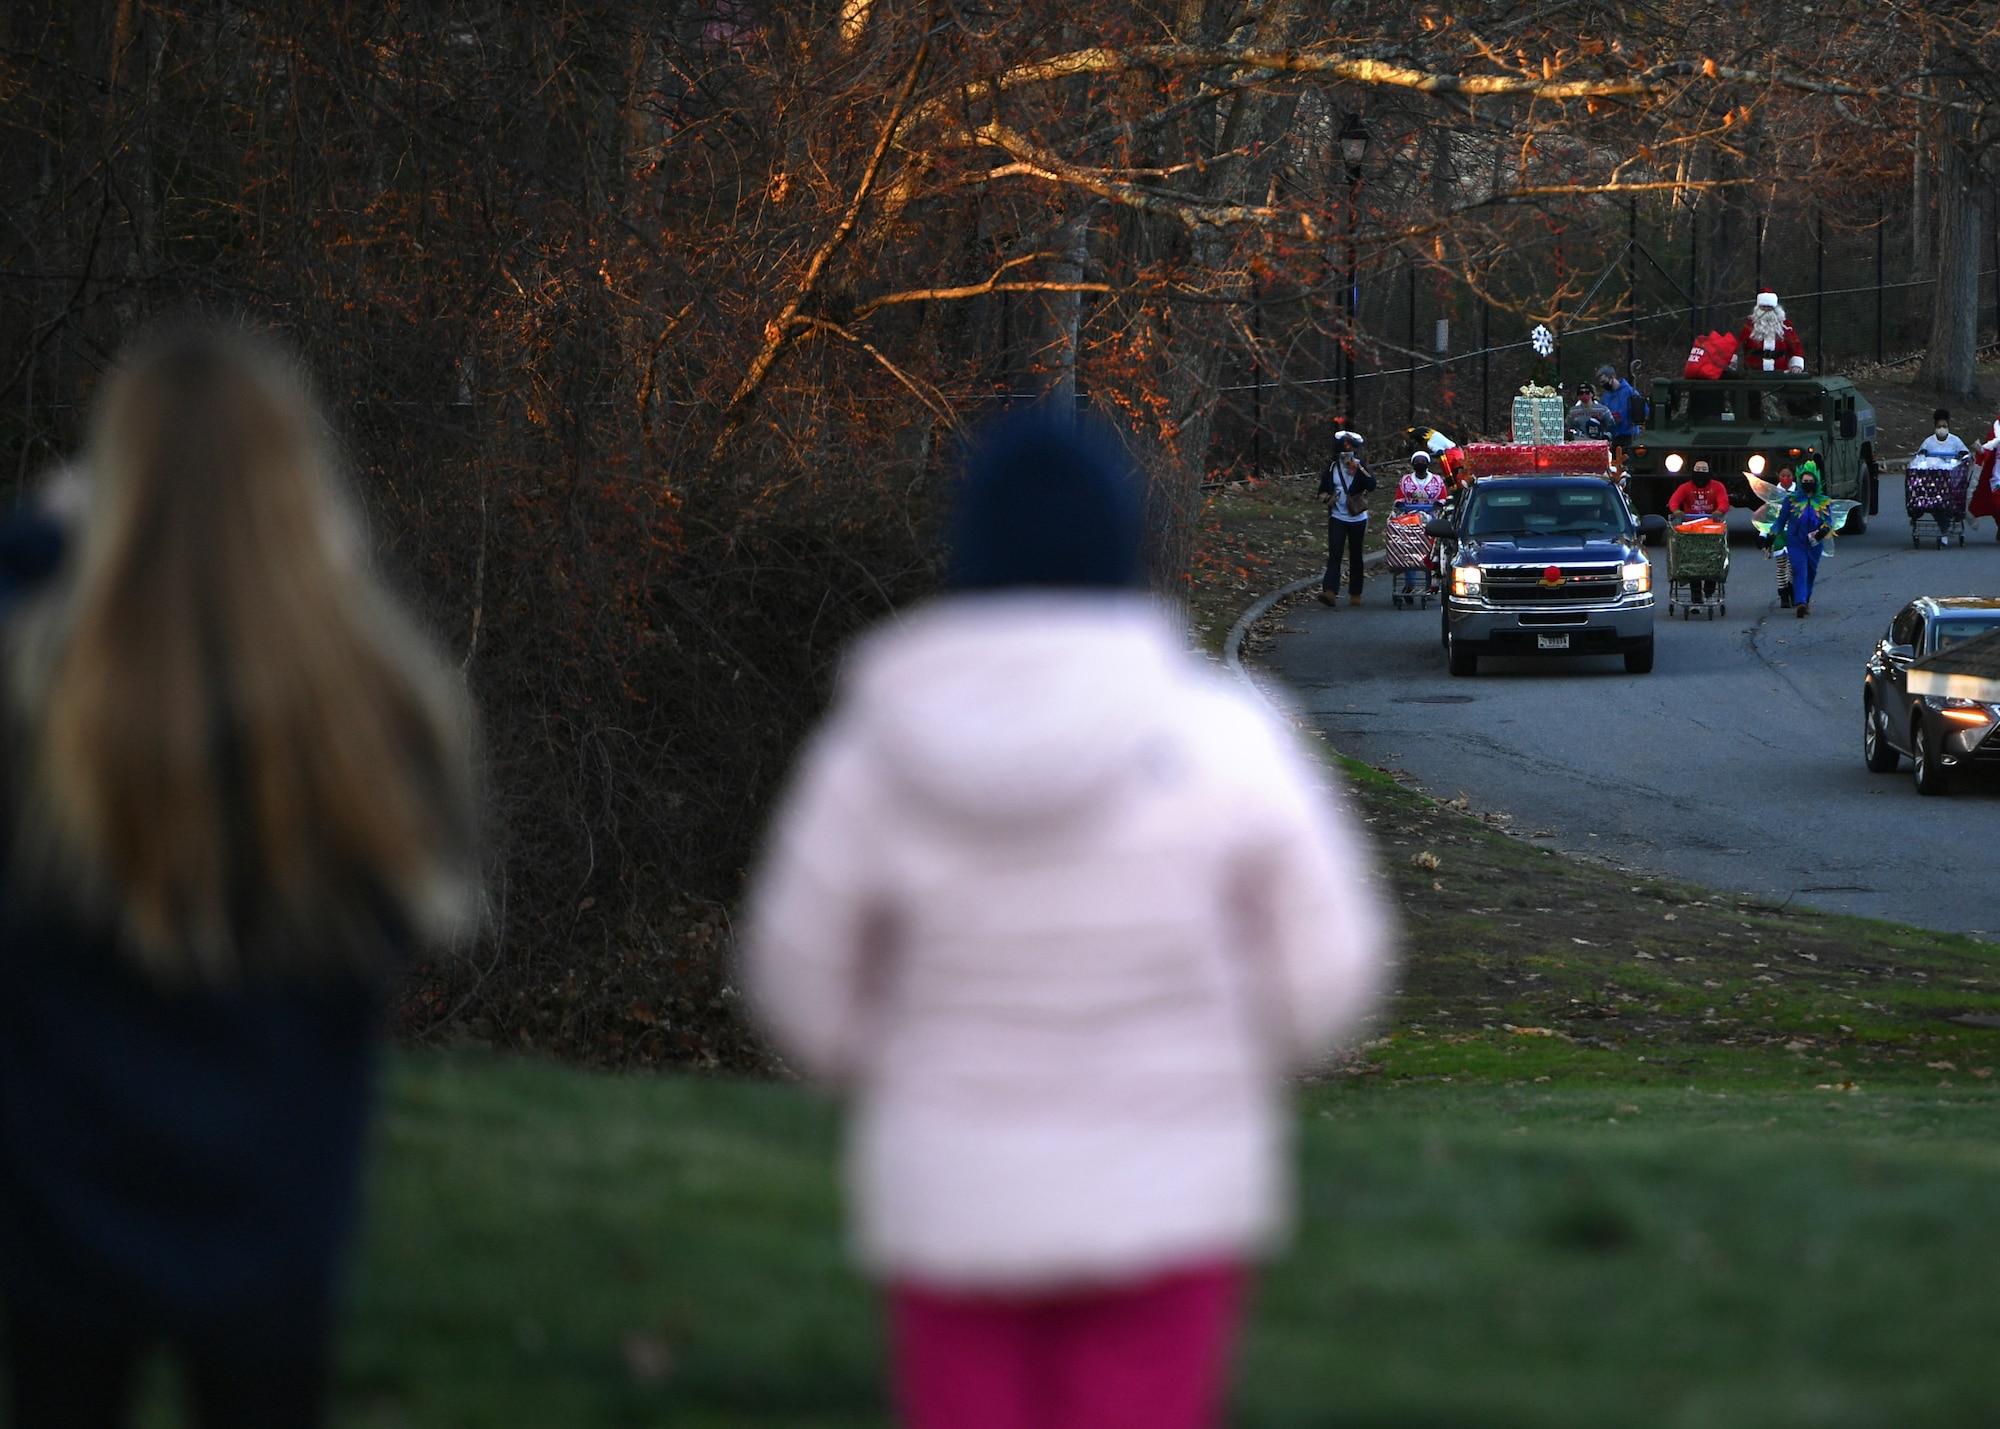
(1552, 642)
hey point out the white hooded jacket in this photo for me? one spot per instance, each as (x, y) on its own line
(1062, 910)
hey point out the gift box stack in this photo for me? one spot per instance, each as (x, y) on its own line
(1538, 415)
(1544, 459)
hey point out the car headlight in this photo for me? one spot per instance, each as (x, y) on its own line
(1674, 462)
(1465, 581)
(1964, 711)
(1757, 464)
(1638, 577)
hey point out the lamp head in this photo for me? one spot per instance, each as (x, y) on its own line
(1354, 141)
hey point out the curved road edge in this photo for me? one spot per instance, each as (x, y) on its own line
(1232, 643)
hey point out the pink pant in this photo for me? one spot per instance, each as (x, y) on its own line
(1151, 1354)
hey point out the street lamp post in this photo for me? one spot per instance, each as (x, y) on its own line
(1354, 140)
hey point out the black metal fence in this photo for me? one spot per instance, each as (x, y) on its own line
(1433, 349)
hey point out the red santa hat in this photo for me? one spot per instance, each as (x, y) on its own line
(1766, 298)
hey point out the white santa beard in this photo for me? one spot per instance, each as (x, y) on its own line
(1767, 324)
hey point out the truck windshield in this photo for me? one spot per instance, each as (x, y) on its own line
(1950, 630)
(1797, 404)
(1546, 511)
(1698, 402)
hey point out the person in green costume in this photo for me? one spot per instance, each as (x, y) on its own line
(1805, 517)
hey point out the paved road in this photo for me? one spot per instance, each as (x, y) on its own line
(1736, 763)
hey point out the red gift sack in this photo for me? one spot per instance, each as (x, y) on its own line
(1710, 356)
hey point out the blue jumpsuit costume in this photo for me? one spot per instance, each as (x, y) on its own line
(1804, 520)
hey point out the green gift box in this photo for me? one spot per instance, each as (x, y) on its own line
(1538, 419)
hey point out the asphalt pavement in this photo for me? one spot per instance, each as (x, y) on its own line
(1736, 763)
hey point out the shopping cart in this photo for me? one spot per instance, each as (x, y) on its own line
(1934, 490)
(1407, 547)
(1698, 560)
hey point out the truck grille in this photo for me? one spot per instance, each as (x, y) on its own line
(1524, 585)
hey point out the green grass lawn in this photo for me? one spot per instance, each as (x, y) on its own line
(1620, 1151)
(553, 1247)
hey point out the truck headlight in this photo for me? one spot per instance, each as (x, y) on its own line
(1638, 577)
(1757, 464)
(1674, 462)
(1465, 581)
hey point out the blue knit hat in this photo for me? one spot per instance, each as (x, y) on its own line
(1046, 502)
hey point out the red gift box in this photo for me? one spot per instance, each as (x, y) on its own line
(1553, 459)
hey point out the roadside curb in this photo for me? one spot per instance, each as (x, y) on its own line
(1232, 644)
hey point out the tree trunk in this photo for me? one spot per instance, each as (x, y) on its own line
(1730, 237)
(1066, 309)
(1920, 205)
(1954, 340)
(1922, 157)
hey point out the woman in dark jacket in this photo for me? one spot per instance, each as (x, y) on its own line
(240, 788)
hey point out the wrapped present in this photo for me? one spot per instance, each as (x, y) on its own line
(1588, 458)
(1697, 555)
(1500, 459)
(1538, 419)
(1539, 459)
(1405, 545)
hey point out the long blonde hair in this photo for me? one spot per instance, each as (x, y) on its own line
(235, 752)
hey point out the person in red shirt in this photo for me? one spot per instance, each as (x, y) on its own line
(1700, 495)
(1767, 341)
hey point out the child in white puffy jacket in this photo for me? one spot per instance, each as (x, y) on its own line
(1061, 910)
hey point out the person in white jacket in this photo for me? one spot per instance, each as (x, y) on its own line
(1060, 909)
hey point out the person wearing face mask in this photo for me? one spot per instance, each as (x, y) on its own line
(1422, 490)
(1932, 483)
(1622, 400)
(1804, 516)
(1589, 419)
(1343, 490)
(1422, 486)
(1786, 484)
(1701, 495)
(1943, 442)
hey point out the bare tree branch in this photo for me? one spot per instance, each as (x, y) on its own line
(922, 391)
(779, 328)
(1658, 79)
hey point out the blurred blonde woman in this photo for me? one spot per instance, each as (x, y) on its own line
(240, 791)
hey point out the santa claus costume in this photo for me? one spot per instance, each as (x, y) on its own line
(1985, 494)
(1767, 342)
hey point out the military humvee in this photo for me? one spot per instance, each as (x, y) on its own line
(1752, 426)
